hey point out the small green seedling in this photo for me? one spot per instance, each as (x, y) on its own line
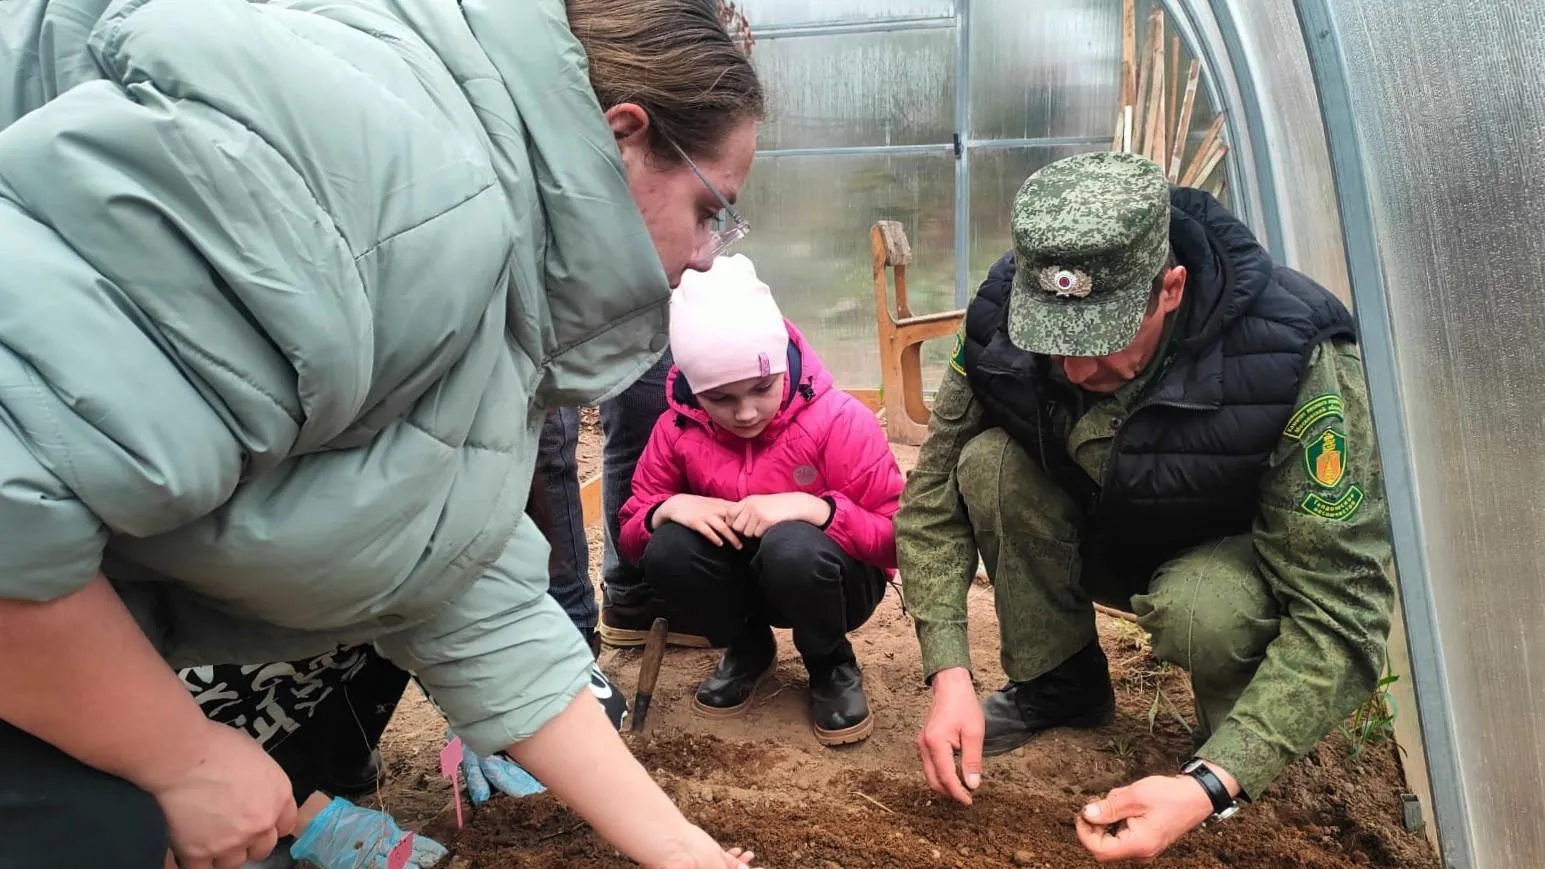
(1120, 746)
(1162, 701)
(1373, 724)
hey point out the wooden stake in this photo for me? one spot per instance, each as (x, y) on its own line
(1126, 125)
(1213, 159)
(1202, 150)
(1217, 188)
(1128, 54)
(1183, 126)
(1115, 613)
(1121, 118)
(1174, 81)
(1153, 95)
(1141, 135)
(1156, 103)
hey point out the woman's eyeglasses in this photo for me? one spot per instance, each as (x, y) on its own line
(730, 226)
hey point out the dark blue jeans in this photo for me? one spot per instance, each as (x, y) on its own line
(626, 422)
(569, 566)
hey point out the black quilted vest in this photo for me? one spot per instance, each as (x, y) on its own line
(1186, 464)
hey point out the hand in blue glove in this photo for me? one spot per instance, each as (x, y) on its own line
(345, 836)
(500, 772)
(487, 774)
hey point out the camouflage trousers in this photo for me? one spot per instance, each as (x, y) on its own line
(1208, 610)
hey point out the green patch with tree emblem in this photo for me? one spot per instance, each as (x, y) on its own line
(1339, 508)
(1325, 458)
(958, 358)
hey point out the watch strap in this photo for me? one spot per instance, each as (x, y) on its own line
(1216, 792)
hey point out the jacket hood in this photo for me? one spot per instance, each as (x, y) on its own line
(807, 380)
(1226, 266)
(525, 75)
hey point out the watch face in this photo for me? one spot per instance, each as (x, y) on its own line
(1227, 813)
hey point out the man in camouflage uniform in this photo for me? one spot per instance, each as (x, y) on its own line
(1143, 410)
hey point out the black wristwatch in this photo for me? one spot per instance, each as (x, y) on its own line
(1223, 805)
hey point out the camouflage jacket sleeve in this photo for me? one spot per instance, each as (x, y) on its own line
(935, 548)
(1322, 540)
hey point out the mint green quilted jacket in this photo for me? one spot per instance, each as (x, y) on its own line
(284, 288)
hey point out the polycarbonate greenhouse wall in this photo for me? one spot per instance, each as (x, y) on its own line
(868, 102)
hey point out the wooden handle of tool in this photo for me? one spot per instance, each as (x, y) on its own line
(654, 652)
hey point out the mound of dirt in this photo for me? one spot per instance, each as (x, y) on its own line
(762, 782)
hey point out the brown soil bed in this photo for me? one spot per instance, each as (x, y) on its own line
(762, 781)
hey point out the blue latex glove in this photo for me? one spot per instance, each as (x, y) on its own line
(499, 772)
(345, 836)
(486, 774)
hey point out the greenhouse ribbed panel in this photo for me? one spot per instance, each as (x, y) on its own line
(785, 12)
(810, 219)
(859, 89)
(1052, 70)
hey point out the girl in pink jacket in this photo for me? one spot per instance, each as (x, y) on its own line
(764, 498)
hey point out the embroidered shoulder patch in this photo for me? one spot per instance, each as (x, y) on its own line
(958, 358)
(1340, 509)
(1325, 458)
(1311, 412)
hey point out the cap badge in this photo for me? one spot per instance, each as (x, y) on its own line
(1066, 283)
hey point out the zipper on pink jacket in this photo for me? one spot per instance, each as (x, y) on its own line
(745, 471)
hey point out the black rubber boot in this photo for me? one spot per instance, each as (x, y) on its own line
(745, 663)
(1076, 693)
(838, 708)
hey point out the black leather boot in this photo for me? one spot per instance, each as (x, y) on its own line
(728, 691)
(838, 708)
(1076, 693)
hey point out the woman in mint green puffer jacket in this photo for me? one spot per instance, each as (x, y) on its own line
(284, 290)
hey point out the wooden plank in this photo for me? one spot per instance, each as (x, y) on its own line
(1209, 163)
(1140, 137)
(870, 398)
(1217, 187)
(1153, 104)
(898, 251)
(1128, 56)
(1190, 177)
(1183, 126)
(1156, 100)
(1174, 81)
(590, 500)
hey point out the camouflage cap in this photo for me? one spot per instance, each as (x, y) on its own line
(1091, 232)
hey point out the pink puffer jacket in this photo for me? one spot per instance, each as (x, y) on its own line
(824, 442)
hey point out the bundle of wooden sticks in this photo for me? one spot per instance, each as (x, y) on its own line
(1155, 115)
(736, 23)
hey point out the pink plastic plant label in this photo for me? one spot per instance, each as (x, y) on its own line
(397, 858)
(450, 758)
(450, 767)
